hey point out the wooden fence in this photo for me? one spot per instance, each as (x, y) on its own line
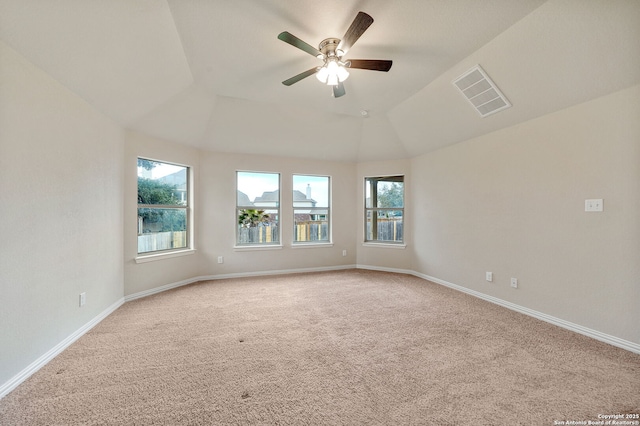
(258, 235)
(161, 241)
(389, 229)
(311, 231)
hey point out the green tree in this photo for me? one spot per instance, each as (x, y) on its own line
(250, 218)
(152, 192)
(391, 195)
(146, 164)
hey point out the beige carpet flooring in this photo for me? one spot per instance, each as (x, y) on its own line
(346, 348)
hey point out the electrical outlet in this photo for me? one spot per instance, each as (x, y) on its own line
(514, 282)
(220, 259)
(489, 276)
(344, 252)
(83, 299)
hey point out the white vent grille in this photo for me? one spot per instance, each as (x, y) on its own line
(481, 92)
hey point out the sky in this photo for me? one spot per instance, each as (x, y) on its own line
(160, 170)
(254, 184)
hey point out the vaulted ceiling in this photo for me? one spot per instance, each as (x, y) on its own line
(208, 73)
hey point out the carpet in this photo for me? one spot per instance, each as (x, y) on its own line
(349, 347)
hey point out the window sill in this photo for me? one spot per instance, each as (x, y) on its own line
(386, 245)
(257, 247)
(310, 245)
(160, 256)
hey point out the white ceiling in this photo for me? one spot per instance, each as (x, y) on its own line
(208, 73)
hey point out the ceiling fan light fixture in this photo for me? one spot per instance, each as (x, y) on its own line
(332, 73)
(322, 75)
(343, 74)
(331, 50)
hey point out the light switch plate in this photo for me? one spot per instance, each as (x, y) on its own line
(594, 205)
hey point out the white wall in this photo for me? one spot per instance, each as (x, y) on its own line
(512, 202)
(60, 213)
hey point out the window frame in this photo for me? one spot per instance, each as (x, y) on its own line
(238, 207)
(188, 212)
(329, 240)
(374, 210)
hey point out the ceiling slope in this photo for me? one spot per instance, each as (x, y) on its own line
(123, 57)
(563, 53)
(209, 73)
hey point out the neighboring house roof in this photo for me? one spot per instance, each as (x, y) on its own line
(268, 196)
(299, 196)
(243, 199)
(273, 196)
(178, 179)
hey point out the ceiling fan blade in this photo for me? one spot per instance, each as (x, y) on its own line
(370, 64)
(338, 90)
(287, 37)
(297, 78)
(357, 28)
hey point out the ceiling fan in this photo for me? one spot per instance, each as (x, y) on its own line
(331, 50)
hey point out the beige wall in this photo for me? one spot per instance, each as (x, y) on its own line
(60, 210)
(217, 233)
(512, 202)
(214, 216)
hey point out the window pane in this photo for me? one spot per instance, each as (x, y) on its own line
(387, 192)
(310, 226)
(163, 192)
(258, 226)
(387, 225)
(257, 213)
(384, 208)
(258, 189)
(310, 191)
(161, 229)
(161, 183)
(310, 208)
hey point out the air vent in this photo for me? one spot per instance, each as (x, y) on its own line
(481, 92)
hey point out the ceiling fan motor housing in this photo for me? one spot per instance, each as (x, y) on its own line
(329, 47)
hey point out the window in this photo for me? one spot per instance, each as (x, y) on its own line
(257, 208)
(384, 209)
(163, 206)
(311, 209)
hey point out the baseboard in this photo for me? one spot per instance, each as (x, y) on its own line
(160, 289)
(276, 272)
(594, 334)
(53, 352)
(603, 337)
(383, 269)
(166, 287)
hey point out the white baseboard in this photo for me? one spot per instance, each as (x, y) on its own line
(53, 352)
(594, 334)
(276, 272)
(166, 287)
(160, 289)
